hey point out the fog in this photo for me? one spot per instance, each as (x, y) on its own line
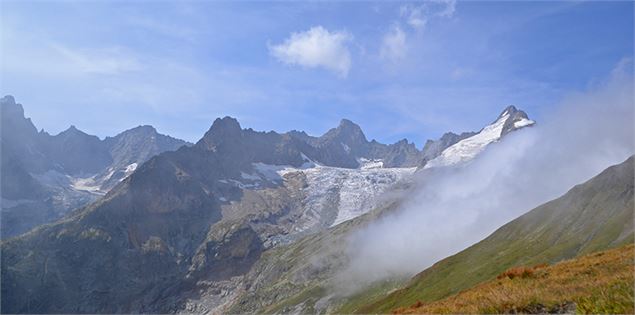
(450, 209)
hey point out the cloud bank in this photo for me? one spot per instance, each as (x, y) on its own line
(451, 208)
(316, 48)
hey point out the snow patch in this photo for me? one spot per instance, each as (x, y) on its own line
(130, 168)
(87, 184)
(367, 164)
(346, 148)
(249, 176)
(523, 122)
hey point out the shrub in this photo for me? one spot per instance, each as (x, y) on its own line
(522, 272)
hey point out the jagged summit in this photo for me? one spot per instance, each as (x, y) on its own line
(348, 132)
(72, 130)
(11, 108)
(348, 124)
(143, 128)
(509, 110)
(8, 99)
(517, 119)
(225, 126)
(223, 130)
(469, 147)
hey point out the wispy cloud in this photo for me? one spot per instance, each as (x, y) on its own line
(412, 19)
(417, 16)
(393, 45)
(110, 60)
(315, 48)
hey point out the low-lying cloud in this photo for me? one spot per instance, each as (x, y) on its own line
(315, 48)
(450, 209)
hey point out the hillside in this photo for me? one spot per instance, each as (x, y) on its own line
(601, 282)
(593, 216)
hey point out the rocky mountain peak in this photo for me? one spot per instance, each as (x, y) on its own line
(9, 107)
(226, 125)
(517, 119)
(509, 110)
(223, 130)
(347, 126)
(145, 129)
(346, 123)
(13, 119)
(347, 132)
(73, 132)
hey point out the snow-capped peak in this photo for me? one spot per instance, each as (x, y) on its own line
(465, 150)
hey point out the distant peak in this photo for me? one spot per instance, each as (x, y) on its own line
(509, 110)
(10, 108)
(72, 130)
(346, 122)
(8, 99)
(149, 127)
(348, 126)
(516, 119)
(226, 123)
(144, 128)
(222, 130)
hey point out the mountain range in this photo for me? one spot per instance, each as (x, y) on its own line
(198, 227)
(45, 176)
(257, 222)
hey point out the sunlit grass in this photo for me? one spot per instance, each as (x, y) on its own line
(602, 282)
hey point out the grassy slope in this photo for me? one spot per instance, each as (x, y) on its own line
(597, 283)
(592, 216)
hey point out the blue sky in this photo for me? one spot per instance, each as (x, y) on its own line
(400, 70)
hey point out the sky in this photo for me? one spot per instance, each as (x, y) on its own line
(410, 70)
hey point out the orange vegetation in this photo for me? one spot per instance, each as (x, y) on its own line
(597, 283)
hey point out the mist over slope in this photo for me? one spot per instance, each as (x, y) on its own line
(592, 216)
(453, 207)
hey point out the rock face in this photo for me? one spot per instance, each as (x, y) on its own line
(186, 229)
(44, 177)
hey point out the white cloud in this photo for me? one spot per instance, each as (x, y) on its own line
(418, 16)
(393, 46)
(414, 16)
(315, 48)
